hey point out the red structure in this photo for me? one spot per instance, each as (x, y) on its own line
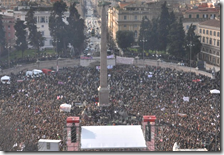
(73, 146)
(151, 119)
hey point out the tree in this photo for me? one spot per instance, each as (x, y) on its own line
(125, 39)
(163, 28)
(21, 43)
(76, 28)
(192, 38)
(176, 40)
(58, 29)
(35, 38)
(2, 35)
(145, 32)
(153, 40)
(172, 19)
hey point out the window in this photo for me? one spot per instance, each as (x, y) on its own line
(51, 42)
(8, 27)
(125, 26)
(46, 19)
(42, 19)
(206, 31)
(210, 41)
(35, 19)
(187, 27)
(125, 17)
(203, 39)
(211, 33)
(203, 31)
(200, 30)
(217, 34)
(207, 40)
(42, 25)
(135, 26)
(9, 34)
(214, 33)
(136, 33)
(190, 16)
(217, 42)
(197, 16)
(214, 41)
(136, 17)
(42, 32)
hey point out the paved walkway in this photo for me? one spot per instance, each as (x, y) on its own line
(76, 62)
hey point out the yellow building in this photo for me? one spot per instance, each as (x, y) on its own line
(210, 38)
(128, 16)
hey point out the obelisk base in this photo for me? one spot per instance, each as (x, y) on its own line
(103, 97)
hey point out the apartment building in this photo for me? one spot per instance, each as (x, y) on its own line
(128, 16)
(198, 14)
(42, 18)
(210, 38)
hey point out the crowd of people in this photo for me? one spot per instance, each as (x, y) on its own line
(29, 108)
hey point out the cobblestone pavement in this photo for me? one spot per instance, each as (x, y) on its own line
(76, 62)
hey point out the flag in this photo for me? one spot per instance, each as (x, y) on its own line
(14, 145)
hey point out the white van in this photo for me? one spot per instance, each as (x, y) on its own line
(29, 74)
(37, 73)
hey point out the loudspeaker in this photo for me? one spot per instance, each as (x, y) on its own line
(73, 134)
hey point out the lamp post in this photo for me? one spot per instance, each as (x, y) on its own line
(190, 54)
(59, 58)
(143, 40)
(215, 91)
(38, 63)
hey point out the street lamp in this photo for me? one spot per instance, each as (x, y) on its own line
(59, 58)
(190, 54)
(215, 91)
(38, 63)
(143, 40)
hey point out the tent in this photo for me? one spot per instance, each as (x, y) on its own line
(214, 91)
(5, 79)
(65, 107)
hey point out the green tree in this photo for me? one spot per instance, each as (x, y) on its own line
(153, 40)
(21, 43)
(145, 32)
(172, 19)
(125, 39)
(192, 40)
(163, 28)
(176, 39)
(58, 29)
(76, 29)
(2, 35)
(35, 38)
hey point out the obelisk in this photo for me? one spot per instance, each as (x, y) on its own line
(103, 88)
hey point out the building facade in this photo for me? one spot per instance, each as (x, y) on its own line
(210, 38)
(196, 15)
(8, 23)
(128, 16)
(42, 18)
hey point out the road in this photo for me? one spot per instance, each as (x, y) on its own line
(76, 62)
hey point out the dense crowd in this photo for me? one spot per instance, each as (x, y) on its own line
(30, 108)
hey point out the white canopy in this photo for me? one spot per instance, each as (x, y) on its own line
(214, 91)
(112, 137)
(65, 107)
(5, 78)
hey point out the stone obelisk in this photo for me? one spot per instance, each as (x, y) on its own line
(103, 88)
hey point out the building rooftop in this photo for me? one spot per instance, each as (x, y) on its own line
(202, 10)
(211, 22)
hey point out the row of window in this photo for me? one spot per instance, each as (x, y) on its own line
(210, 51)
(209, 41)
(210, 32)
(135, 26)
(135, 17)
(209, 58)
(204, 16)
(41, 19)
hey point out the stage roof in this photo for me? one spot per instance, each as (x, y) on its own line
(112, 137)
